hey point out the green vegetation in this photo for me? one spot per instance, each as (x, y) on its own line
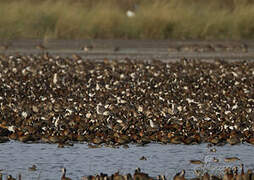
(156, 19)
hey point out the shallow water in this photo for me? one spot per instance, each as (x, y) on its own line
(79, 160)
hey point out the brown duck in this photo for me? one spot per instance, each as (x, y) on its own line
(180, 175)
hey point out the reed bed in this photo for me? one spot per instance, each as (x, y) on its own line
(161, 19)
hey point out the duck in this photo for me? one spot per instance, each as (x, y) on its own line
(231, 159)
(176, 140)
(213, 150)
(63, 175)
(90, 177)
(251, 140)
(242, 169)
(128, 177)
(118, 176)
(76, 57)
(32, 168)
(24, 138)
(87, 48)
(153, 124)
(60, 145)
(232, 140)
(197, 172)
(215, 177)
(236, 175)
(162, 177)
(138, 175)
(143, 158)
(209, 145)
(245, 176)
(53, 139)
(206, 176)
(228, 174)
(46, 56)
(215, 160)
(9, 177)
(196, 162)
(180, 175)
(250, 175)
(214, 140)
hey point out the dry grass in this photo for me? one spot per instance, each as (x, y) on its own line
(158, 19)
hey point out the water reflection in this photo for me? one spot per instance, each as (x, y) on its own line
(80, 160)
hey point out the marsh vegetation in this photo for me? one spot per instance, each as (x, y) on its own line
(176, 19)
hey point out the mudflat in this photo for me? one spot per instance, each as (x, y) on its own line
(137, 49)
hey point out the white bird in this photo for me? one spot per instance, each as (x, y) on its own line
(100, 108)
(152, 124)
(130, 14)
(10, 128)
(55, 78)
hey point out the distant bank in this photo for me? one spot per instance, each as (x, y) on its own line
(160, 19)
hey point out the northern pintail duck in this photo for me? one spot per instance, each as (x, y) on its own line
(250, 175)
(228, 175)
(206, 176)
(180, 175)
(138, 175)
(245, 176)
(63, 175)
(236, 175)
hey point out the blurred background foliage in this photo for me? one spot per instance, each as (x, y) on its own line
(152, 19)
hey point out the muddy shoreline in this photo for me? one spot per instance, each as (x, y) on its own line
(165, 50)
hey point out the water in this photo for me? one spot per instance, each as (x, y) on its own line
(79, 160)
(133, 49)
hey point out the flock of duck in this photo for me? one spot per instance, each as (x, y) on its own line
(53, 99)
(229, 174)
(63, 100)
